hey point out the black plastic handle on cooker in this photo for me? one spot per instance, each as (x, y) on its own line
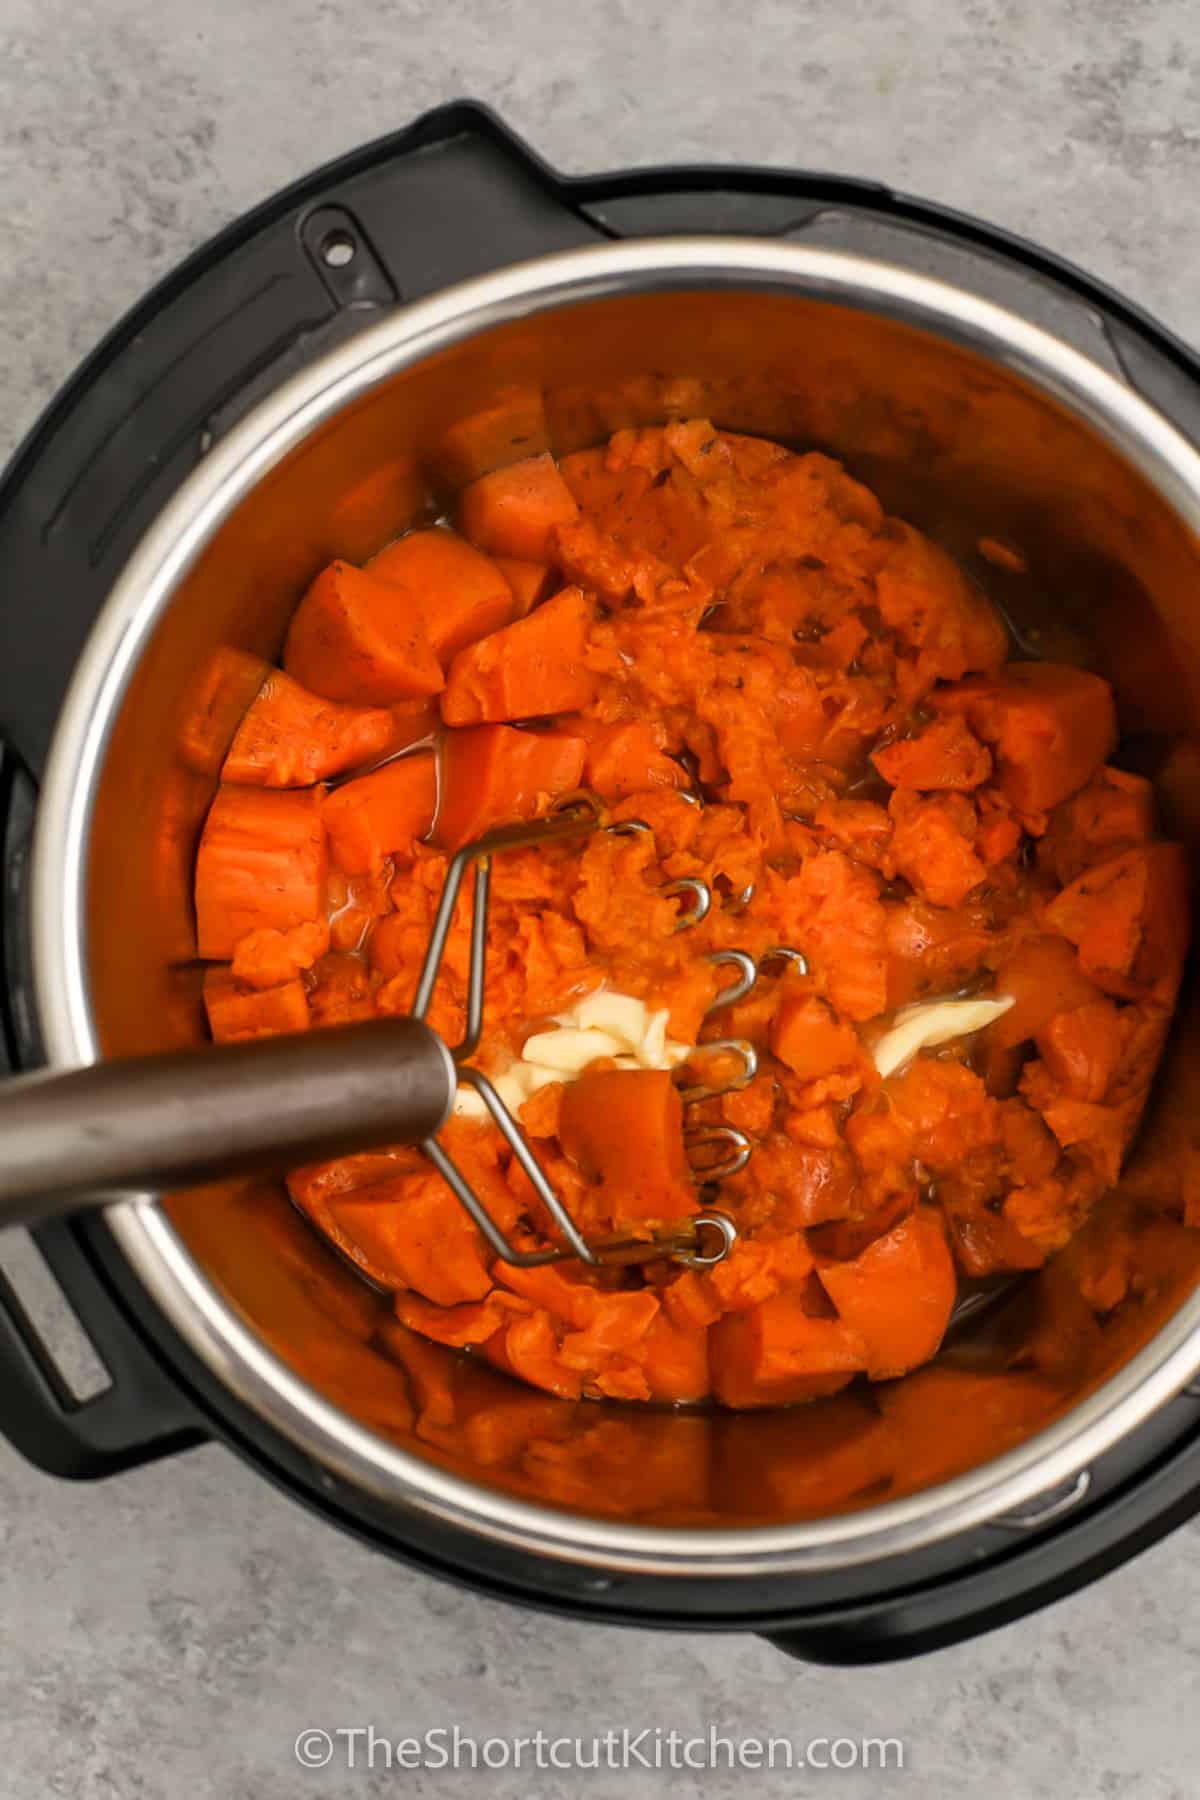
(143, 1414)
(186, 1117)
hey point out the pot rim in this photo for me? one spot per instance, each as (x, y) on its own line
(176, 1283)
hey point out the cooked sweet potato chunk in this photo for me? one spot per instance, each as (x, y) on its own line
(261, 863)
(353, 638)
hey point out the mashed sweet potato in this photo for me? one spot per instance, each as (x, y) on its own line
(687, 614)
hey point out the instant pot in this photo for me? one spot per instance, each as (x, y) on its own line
(299, 389)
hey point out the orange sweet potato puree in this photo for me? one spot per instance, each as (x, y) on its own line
(686, 614)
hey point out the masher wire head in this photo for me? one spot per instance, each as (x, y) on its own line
(706, 1237)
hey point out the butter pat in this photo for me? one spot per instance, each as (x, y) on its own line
(570, 1049)
(518, 1082)
(620, 1015)
(933, 1022)
(618, 1027)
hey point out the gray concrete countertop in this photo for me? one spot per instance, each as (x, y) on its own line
(170, 1633)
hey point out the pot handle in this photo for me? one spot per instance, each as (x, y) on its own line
(142, 1415)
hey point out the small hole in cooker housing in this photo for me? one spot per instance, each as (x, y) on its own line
(337, 249)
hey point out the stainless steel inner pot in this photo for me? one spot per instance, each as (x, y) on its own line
(965, 419)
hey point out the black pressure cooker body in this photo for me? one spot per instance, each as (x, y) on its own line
(458, 195)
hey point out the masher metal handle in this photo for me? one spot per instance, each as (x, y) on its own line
(161, 1122)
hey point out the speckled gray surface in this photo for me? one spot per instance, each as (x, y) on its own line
(170, 1633)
